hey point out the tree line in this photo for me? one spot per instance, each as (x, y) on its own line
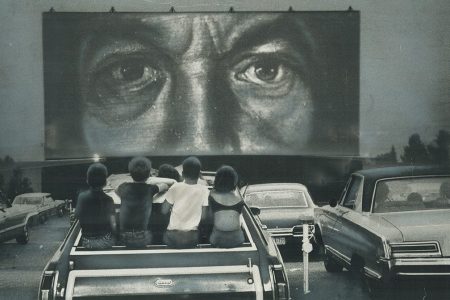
(417, 152)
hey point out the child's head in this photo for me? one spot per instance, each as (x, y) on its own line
(191, 168)
(96, 175)
(226, 179)
(168, 171)
(139, 168)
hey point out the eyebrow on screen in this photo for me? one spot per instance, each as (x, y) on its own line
(282, 28)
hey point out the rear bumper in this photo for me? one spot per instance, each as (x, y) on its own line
(192, 283)
(292, 235)
(419, 267)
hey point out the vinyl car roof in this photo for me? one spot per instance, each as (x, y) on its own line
(402, 171)
(34, 195)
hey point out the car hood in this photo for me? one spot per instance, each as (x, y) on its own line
(433, 225)
(285, 217)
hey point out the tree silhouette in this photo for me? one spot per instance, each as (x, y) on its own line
(439, 148)
(17, 183)
(415, 152)
(387, 158)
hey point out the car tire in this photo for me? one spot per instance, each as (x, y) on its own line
(330, 264)
(375, 289)
(42, 218)
(60, 212)
(24, 237)
(318, 248)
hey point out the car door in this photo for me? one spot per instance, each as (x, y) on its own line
(44, 206)
(15, 216)
(2, 218)
(49, 203)
(348, 233)
(328, 219)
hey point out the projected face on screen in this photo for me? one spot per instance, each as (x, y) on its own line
(203, 84)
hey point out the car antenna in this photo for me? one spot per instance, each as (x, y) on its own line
(246, 187)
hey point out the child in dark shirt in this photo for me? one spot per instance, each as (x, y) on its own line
(226, 209)
(95, 211)
(136, 204)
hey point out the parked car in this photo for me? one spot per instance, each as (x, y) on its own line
(254, 270)
(15, 222)
(283, 207)
(389, 223)
(42, 203)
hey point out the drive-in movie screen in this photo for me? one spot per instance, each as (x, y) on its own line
(201, 83)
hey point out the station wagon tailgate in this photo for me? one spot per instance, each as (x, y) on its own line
(218, 282)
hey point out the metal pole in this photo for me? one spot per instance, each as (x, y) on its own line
(305, 249)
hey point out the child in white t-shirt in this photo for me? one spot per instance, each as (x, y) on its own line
(188, 202)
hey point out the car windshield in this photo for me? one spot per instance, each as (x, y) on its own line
(276, 199)
(412, 194)
(27, 200)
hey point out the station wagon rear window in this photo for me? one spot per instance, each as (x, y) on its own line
(276, 199)
(412, 194)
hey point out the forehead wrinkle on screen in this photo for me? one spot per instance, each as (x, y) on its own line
(171, 34)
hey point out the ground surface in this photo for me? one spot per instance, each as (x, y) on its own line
(21, 267)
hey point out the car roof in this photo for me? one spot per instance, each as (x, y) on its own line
(402, 171)
(274, 187)
(371, 176)
(33, 195)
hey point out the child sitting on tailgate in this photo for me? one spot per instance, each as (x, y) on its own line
(95, 210)
(136, 204)
(226, 209)
(187, 201)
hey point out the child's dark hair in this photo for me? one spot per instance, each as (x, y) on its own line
(139, 168)
(191, 167)
(96, 175)
(226, 179)
(168, 171)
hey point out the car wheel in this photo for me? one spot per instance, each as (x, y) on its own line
(331, 265)
(376, 289)
(42, 218)
(23, 238)
(318, 248)
(60, 212)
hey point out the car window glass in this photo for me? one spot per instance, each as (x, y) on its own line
(276, 198)
(27, 200)
(412, 194)
(353, 193)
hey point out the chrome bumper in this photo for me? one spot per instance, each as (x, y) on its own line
(285, 232)
(296, 231)
(420, 267)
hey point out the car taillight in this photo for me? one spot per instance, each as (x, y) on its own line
(282, 291)
(416, 249)
(46, 291)
(281, 285)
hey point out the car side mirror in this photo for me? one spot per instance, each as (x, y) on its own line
(333, 202)
(255, 210)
